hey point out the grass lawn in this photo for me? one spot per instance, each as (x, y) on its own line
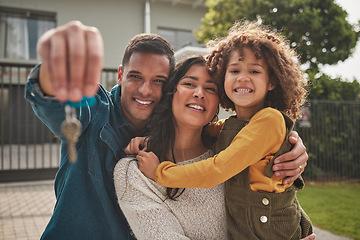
(333, 206)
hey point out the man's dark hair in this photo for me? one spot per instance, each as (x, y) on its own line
(149, 43)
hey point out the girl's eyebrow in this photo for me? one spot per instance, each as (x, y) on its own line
(257, 64)
(252, 64)
(233, 64)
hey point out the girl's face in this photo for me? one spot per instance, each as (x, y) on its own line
(246, 82)
(196, 100)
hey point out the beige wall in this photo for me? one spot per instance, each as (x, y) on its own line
(179, 16)
(118, 20)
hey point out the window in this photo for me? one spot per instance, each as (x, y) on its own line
(20, 31)
(178, 38)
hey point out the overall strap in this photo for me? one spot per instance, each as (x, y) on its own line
(230, 129)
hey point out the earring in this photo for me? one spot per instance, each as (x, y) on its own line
(216, 116)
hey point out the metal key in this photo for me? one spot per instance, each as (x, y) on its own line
(71, 128)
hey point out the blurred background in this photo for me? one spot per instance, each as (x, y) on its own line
(325, 33)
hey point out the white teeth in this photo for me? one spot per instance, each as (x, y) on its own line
(143, 102)
(242, 90)
(197, 107)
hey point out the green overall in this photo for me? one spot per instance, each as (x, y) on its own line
(261, 215)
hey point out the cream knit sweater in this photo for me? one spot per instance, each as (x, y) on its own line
(196, 214)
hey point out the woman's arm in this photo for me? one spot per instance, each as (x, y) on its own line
(152, 222)
(143, 204)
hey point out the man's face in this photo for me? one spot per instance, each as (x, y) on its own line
(141, 82)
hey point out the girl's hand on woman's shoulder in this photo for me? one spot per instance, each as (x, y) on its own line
(135, 145)
(148, 163)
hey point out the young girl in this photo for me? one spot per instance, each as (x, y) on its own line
(263, 83)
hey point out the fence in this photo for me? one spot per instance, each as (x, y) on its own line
(28, 150)
(331, 133)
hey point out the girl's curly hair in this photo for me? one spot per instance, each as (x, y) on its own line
(284, 65)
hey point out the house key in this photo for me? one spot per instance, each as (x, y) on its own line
(71, 128)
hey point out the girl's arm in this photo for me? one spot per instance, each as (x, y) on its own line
(263, 136)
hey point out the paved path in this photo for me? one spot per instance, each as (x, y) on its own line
(26, 207)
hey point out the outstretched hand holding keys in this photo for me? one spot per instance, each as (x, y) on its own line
(72, 60)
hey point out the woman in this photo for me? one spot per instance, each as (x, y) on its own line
(154, 212)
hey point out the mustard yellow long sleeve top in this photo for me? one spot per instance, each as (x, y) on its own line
(253, 147)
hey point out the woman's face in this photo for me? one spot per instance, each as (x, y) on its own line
(196, 100)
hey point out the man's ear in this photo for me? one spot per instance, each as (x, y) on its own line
(120, 75)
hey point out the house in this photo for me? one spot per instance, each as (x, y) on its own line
(22, 22)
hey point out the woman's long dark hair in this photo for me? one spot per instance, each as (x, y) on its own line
(161, 126)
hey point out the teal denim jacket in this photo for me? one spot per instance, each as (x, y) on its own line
(86, 203)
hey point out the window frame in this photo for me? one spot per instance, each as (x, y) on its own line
(26, 14)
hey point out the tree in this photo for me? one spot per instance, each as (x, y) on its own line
(318, 29)
(324, 87)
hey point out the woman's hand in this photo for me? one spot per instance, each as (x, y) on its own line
(148, 163)
(136, 144)
(291, 164)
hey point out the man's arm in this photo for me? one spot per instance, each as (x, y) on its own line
(289, 163)
(72, 59)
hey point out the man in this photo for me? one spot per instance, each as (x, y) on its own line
(72, 55)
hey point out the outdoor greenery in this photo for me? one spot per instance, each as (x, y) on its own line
(332, 140)
(320, 33)
(318, 29)
(333, 206)
(324, 87)
(334, 106)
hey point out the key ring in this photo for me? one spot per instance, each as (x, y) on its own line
(85, 101)
(70, 112)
